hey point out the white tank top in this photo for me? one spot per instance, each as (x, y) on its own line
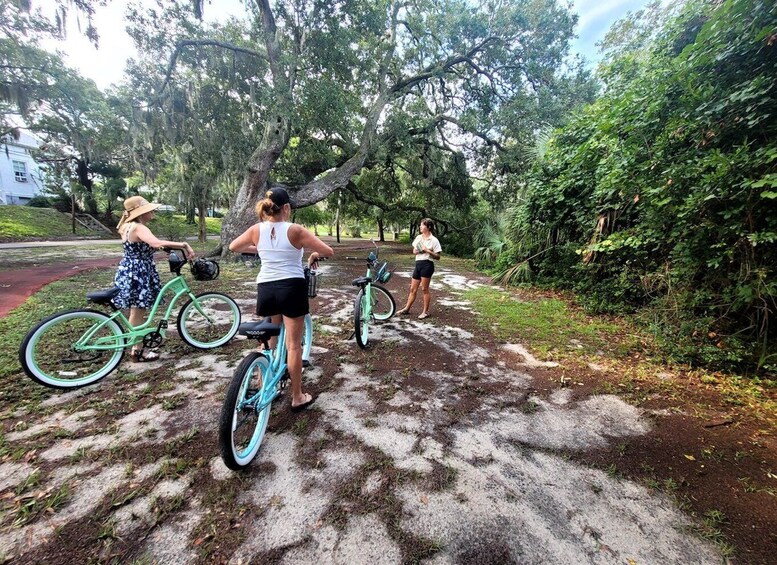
(280, 259)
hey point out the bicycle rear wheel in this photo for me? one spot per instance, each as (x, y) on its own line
(361, 319)
(242, 426)
(383, 304)
(49, 355)
(209, 322)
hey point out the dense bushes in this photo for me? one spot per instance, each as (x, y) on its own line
(665, 189)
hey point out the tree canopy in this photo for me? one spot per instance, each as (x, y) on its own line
(325, 89)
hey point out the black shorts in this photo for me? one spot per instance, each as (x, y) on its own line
(288, 297)
(424, 269)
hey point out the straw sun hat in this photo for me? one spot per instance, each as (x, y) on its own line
(134, 207)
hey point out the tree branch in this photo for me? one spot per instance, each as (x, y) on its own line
(181, 45)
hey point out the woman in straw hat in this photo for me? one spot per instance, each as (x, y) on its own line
(281, 287)
(137, 277)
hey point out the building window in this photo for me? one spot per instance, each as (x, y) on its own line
(20, 171)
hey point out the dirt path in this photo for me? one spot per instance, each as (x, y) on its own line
(18, 285)
(436, 445)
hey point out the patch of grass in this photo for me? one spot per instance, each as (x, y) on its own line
(546, 324)
(29, 506)
(25, 223)
(32, 480)
(173, 402)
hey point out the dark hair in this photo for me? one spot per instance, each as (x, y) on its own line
(429, 223)
(274, 200)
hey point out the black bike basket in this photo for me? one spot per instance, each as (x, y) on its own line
(312, 279)
(205, 270)
(175, 262)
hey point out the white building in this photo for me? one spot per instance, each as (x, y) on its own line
(20, 176)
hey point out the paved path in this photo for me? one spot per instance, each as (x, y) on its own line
(69, 242)
(19, 284)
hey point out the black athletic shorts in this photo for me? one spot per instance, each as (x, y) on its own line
(287, 296)
(424, 269)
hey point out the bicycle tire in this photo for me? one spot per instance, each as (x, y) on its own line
(383, 303)
(307, 337)
(361, 323)
(253, 369)
(197, 331)
(49, 345)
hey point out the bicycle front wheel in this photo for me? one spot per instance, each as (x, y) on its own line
(243, 418)
(361, 319)
(209, 320)
(72, 349)
(383, 304)
(307, 338)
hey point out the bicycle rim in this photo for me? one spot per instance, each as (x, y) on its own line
(361, 324)
(211, 325)
(49, 356)
(242, 426)
(307, 338)
(383, 304)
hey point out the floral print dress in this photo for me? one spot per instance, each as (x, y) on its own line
(137, 277)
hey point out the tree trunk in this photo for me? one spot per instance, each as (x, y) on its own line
(73, 211)
(337, 218)
(190, 212)
(82, 170)
(203, 233)
(381, 237)
(241, 214)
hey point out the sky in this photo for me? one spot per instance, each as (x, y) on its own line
(106, 65)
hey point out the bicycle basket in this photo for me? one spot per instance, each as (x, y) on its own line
(383, 275)
(175, 263)
(205, 270)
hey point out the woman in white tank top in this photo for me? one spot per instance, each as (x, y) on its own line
(281, 289)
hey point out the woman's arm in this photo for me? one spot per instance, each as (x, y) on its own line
(302, 238)
(247, 241)
(144, 234)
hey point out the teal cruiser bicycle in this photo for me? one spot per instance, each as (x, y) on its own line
(257, 382)
(79, 347)
(373, 301)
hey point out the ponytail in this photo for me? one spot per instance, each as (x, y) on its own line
(266, 209)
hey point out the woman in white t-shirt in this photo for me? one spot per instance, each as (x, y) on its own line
(281, 288)
(427, 250)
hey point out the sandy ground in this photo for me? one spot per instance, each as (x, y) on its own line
(420, 449)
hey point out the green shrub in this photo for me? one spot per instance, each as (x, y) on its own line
(39, 202)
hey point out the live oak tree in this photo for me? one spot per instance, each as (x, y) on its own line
(468, 79)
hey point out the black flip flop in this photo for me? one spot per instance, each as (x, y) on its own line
(304, 405)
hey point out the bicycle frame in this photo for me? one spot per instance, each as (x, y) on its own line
(278, 366)
(176, 285)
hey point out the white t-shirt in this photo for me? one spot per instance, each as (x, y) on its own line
(432, 243)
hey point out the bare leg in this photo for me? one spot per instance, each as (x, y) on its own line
(427, 295)
(294, 329)
(411, 297)
(136, 318)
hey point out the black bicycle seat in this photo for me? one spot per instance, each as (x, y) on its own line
(103, 296)
(361, 281)
(259, 330)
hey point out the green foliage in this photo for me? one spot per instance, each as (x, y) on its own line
(666, 187)
(39, 202)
